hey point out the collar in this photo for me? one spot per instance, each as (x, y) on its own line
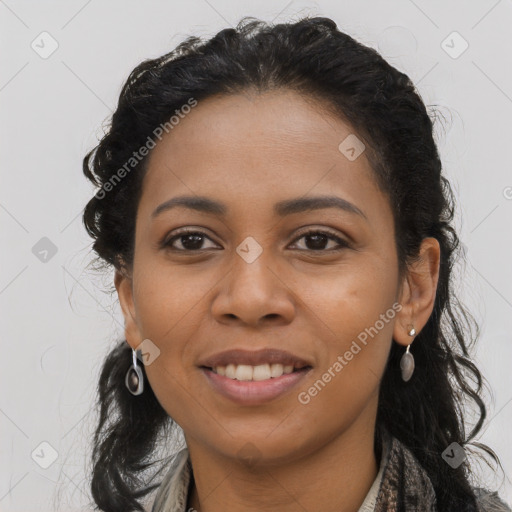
(172, 495)
(401, 484)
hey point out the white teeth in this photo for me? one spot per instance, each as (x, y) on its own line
(261, 372)
(230, 371)
(243, 372)
(256, 373)
(276, 370)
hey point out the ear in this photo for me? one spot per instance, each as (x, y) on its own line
(124, 287)
(418, 292)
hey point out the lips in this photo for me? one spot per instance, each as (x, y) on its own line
(250, 393)
(254, 358)
(254, 377)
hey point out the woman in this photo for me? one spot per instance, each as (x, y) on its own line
(273, 205)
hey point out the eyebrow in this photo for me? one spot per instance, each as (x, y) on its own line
(282, 208)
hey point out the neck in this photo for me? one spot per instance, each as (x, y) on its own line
(337, 476)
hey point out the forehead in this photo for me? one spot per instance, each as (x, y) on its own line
(250, 146)
(272, 124)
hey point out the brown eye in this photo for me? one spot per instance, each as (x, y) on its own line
(189, 241)
(319, 240)
(193, 241)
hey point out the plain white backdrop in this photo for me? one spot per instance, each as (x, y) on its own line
(62, 68)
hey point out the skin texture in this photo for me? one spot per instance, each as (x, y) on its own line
(250, 151)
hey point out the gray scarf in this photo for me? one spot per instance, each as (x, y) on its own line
(404, 487)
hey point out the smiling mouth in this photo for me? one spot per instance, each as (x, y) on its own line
(245, 372)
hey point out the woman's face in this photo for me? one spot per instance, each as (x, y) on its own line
(262, 273)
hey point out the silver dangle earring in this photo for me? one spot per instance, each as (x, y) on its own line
(134, 379)
(407, 361)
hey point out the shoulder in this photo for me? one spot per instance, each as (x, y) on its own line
(407, 483)
(489, 501)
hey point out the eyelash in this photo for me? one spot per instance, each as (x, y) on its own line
(167, 242)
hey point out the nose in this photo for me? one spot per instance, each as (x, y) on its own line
(254, 294)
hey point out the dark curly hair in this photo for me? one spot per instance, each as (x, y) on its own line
(313, 57)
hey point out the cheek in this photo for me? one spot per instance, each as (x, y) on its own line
(350, 298)
(168, 303)
(354, 311)
(353, 355)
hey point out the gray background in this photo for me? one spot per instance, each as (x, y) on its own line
(58, 322)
